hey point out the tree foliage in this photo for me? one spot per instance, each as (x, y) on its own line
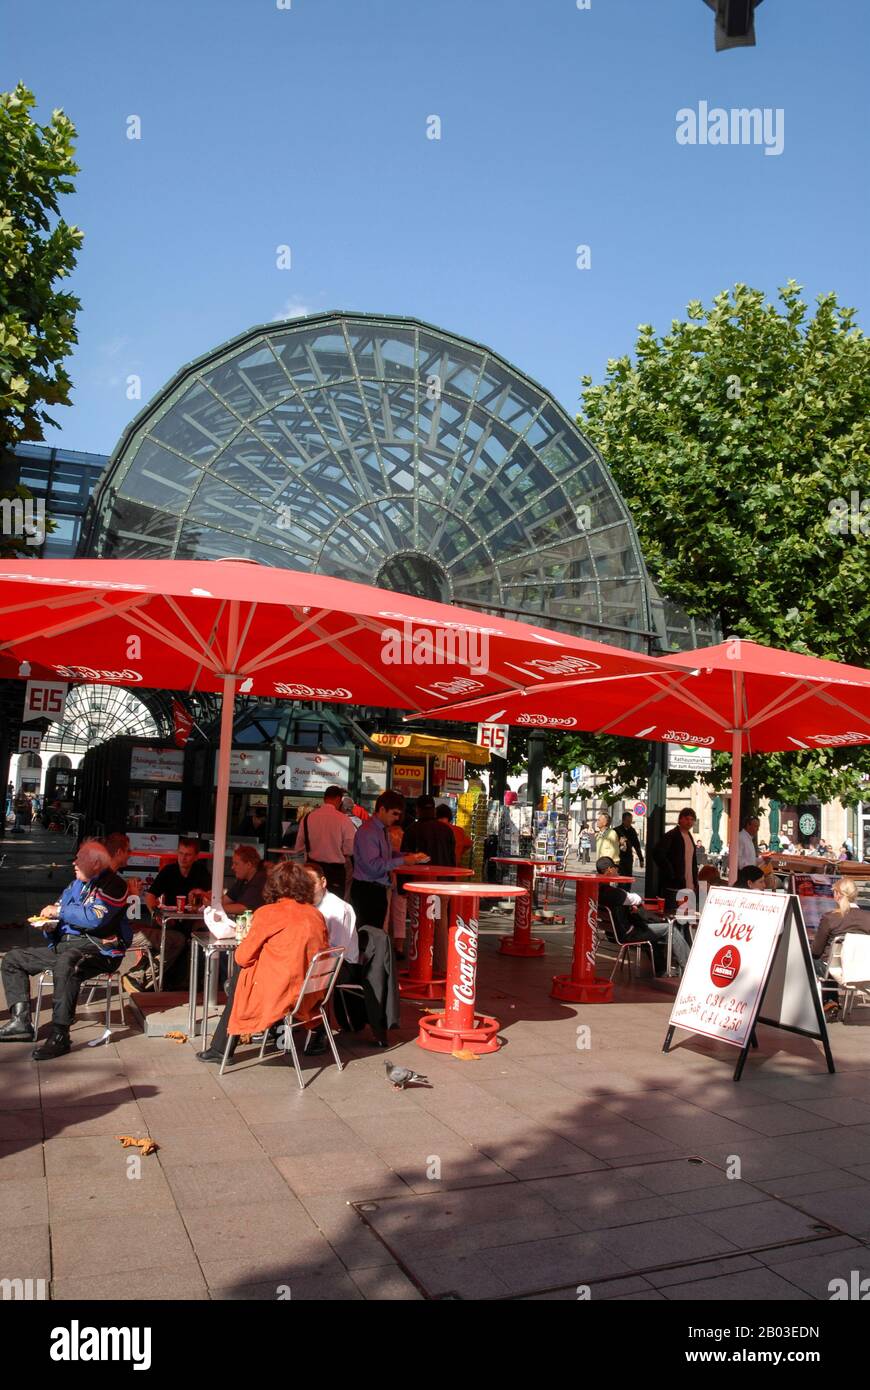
(740, 441)
(37, 249)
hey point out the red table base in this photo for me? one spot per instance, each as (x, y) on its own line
(459, 1027)
(417, 981)
(437, 1036)
(583, 986)
(521, 942)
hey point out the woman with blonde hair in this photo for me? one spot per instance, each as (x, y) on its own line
(286, 934)
(844, 918)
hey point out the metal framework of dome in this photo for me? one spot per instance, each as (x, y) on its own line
(94, 713)
(386, 451)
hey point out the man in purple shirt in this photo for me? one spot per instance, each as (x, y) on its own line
(374, 859)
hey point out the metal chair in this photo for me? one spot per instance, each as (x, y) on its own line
(106, 978)
(320, 977)
(626, 944)
(855, 977)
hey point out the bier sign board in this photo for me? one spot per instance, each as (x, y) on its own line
(750, 962)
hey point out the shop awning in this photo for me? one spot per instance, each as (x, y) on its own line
(427, 744)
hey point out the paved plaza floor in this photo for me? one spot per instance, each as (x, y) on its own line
(568, 1164)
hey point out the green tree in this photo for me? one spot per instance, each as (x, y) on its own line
(741, 443)
(37, 249)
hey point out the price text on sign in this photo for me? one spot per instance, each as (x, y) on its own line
(29, 743)
(44, 700)
(494, 737)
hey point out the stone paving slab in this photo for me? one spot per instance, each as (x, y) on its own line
(521, 1175)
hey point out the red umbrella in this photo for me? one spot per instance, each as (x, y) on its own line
(736, 695)
(231, 625)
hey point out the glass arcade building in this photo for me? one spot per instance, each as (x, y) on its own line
(386, 451)
(389, 452)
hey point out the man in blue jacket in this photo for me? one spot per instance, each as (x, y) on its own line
(88, 933)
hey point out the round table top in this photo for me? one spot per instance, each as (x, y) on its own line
(468, 890)
(512, 859)
(593, 878)
(436, 871)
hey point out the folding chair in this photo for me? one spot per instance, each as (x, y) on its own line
(626, 944)
(319, 977)
(855, 979)
(107, 978)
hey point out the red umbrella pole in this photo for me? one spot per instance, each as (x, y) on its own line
(222, 796)
(736, 772)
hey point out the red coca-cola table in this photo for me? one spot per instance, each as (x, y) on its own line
(522, 943)
(583, 986)
(460, 1027)
(418, 981)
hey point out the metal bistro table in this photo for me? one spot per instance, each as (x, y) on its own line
(211, 949)
(459, 1027)
(522, 943)
(418, 980)
(583, 986)
(170, 914)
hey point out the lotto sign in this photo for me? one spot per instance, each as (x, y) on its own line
(494, 737)
(44, 700)
(29, 743)
(722, 985)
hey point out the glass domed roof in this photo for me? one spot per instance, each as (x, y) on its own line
(386, 451)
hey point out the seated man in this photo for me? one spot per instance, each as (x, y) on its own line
(89, 934)
(633, 923)
(144, 935)
(245, 891)
(188, 877)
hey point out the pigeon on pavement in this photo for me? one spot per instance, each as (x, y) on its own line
(399, 1077)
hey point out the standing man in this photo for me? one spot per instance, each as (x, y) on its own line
(747, 853)
(461, 841)
(327, 836)
(676, 857)
(629, 845)
(607, 840)
(374, 859)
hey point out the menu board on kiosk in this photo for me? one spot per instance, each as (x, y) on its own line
(750, 962)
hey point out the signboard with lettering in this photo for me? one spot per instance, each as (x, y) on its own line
(157, 765)
(749, 962)
(310, 772)
(685, 757)
(29, 743)
(44, 700)
(408, 779)
(494, 737)
(249, 770)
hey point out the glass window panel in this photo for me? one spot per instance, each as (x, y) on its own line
(259, 368)
(227, 381)
(312, 356)
(159, 477)
(250, 463)
(383, 353)
(196, 425)
(458, 367)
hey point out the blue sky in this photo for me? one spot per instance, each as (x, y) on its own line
(307, 127)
